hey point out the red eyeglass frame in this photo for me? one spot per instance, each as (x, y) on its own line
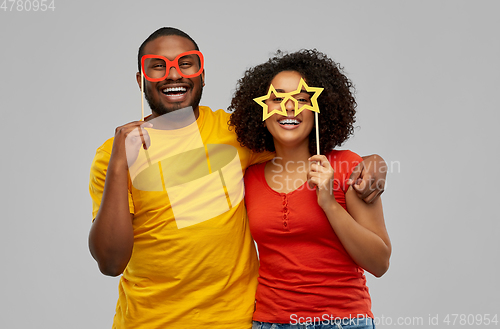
(174, 63)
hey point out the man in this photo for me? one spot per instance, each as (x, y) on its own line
(177, 273)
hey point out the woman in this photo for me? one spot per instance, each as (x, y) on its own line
(315, 236)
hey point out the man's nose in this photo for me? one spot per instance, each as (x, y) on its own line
(173, 74)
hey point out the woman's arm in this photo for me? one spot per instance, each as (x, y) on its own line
(361, 229)
(362, 232)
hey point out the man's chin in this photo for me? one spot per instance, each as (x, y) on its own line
(161, 109)
(164, 110)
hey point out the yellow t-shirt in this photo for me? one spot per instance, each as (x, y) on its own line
(194, 264)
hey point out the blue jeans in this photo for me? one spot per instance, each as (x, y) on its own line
(359, 323)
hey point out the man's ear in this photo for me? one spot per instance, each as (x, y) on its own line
(138, 78)
(203, 78)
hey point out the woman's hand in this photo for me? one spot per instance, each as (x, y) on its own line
(320, 176)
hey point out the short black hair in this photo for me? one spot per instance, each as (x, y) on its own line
(336, 102)
(161, 32)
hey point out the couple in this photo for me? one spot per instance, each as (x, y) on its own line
(312, 250)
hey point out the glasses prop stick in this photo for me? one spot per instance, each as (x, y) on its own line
(142, 118)
(303, 87)
(142, 96)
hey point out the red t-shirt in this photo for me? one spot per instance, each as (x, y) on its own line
(304, 269)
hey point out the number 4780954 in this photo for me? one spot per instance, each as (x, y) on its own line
(28, 5)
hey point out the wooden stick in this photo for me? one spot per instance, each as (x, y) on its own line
(317, 131)
(142, 95)
(142, 118)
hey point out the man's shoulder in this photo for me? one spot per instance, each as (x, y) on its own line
(102, 155)
(219, 114)
(216, 121)
(106, 147)
(100, 162)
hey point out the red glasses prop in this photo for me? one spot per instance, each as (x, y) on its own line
(188, 65)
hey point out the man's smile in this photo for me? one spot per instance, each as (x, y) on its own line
(175, 93)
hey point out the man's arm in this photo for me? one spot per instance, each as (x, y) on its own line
(111, 237)
(368, 178)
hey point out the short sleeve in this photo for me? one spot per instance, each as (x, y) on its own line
(343, 163)
(98, 177)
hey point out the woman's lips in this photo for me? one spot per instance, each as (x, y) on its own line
(289, 123)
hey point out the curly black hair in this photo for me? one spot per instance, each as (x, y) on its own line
(336, 103)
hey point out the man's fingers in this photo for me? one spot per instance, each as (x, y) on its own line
(364, 188)
(369, 190)
(145, 141)
(380, 185)
(137, 137)
(373, 196)
(356, 174)
(139, 133)
(126, 128)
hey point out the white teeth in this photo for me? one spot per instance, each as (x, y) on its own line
(166, 90)
(289, 121)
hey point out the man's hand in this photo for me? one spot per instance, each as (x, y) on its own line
(130, 138)
(368, 178)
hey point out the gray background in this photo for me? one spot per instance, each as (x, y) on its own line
(427, 78)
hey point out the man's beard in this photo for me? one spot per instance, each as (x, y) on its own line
(158, 108)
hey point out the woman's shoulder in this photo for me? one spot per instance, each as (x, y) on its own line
(343, 161)
(256, 169)
(255, 179)
(343, 155)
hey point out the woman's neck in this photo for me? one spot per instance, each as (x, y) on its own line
(288, 170)
(292, 157)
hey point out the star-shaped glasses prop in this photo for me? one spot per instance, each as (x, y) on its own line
(289, 96)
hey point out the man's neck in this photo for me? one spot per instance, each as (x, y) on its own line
(174, 120)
